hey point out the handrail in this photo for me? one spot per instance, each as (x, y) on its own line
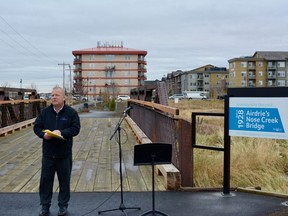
(163, 108)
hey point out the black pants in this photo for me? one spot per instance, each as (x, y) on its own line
(50, 166)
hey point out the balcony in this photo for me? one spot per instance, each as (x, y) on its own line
(142, 77)
(141, 61)
(251, 84)
(77, 68)
(271, 67)
(251, 76)
(271, 83)
(251, 67)
(110, 68)
(271, 76)
(77, 60)
(142, 69)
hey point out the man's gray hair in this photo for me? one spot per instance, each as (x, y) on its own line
(60, 88)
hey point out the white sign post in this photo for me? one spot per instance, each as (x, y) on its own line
(262, 117)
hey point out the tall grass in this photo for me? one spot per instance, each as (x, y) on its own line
(254, 161)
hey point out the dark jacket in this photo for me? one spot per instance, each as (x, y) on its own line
(67, 121)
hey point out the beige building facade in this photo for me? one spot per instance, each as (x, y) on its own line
(113, 70)
(263, 69)
(208, 78)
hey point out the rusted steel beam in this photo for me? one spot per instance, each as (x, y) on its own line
(20, 101)
(15, 111)
(160, 124)
(163, 108)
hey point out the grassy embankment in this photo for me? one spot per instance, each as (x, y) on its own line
(254, 161)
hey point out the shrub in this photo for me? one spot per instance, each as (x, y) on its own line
(112, 104)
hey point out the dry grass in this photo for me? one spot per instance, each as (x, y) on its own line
(254, 161)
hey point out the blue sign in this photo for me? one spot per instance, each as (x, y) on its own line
(258, 117)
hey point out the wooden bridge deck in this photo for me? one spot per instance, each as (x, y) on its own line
(95, 160)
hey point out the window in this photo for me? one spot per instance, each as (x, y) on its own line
(260, 83)
(271, 65)
(91, 73)
(108, 74)
(260, 73)
(243, 83)
(281, 73)
(281, 83)
(92, 57)
(109, 57)
(260, 64)
(108, 82)
(91, 65)
(127, 82)
(193, 76)
(206, 75)
(251, 74)
(244, 64)
(269, 83)
(281, 64)
(243, 73)
(271, 74)
(251, 83)
(218, 75)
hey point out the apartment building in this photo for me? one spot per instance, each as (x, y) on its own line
(263, 69)
(110, 69)
(207, 78)
(173, 82)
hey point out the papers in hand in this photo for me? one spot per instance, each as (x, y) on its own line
(50, 133)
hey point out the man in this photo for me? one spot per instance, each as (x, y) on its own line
(64, 121)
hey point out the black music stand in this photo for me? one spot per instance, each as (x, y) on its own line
(118, 131)
(153, 154)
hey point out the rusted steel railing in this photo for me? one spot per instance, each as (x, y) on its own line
(15, 111)
(161, 124)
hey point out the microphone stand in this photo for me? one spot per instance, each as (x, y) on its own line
(122, 206)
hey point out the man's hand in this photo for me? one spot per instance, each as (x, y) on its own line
(58, 132)
(47, 137)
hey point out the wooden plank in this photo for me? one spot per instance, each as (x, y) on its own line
(15, 127)
(95, 161)
(172, 177)
(140, 177)
(17, 162)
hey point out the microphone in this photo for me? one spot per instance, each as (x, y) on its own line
(127, 109)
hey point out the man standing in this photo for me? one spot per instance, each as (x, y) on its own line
(64, 122)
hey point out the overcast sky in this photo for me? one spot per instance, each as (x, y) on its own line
(37, 35)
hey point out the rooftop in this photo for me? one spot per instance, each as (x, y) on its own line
(112, 50)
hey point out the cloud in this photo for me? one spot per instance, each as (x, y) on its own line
(176, 34)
